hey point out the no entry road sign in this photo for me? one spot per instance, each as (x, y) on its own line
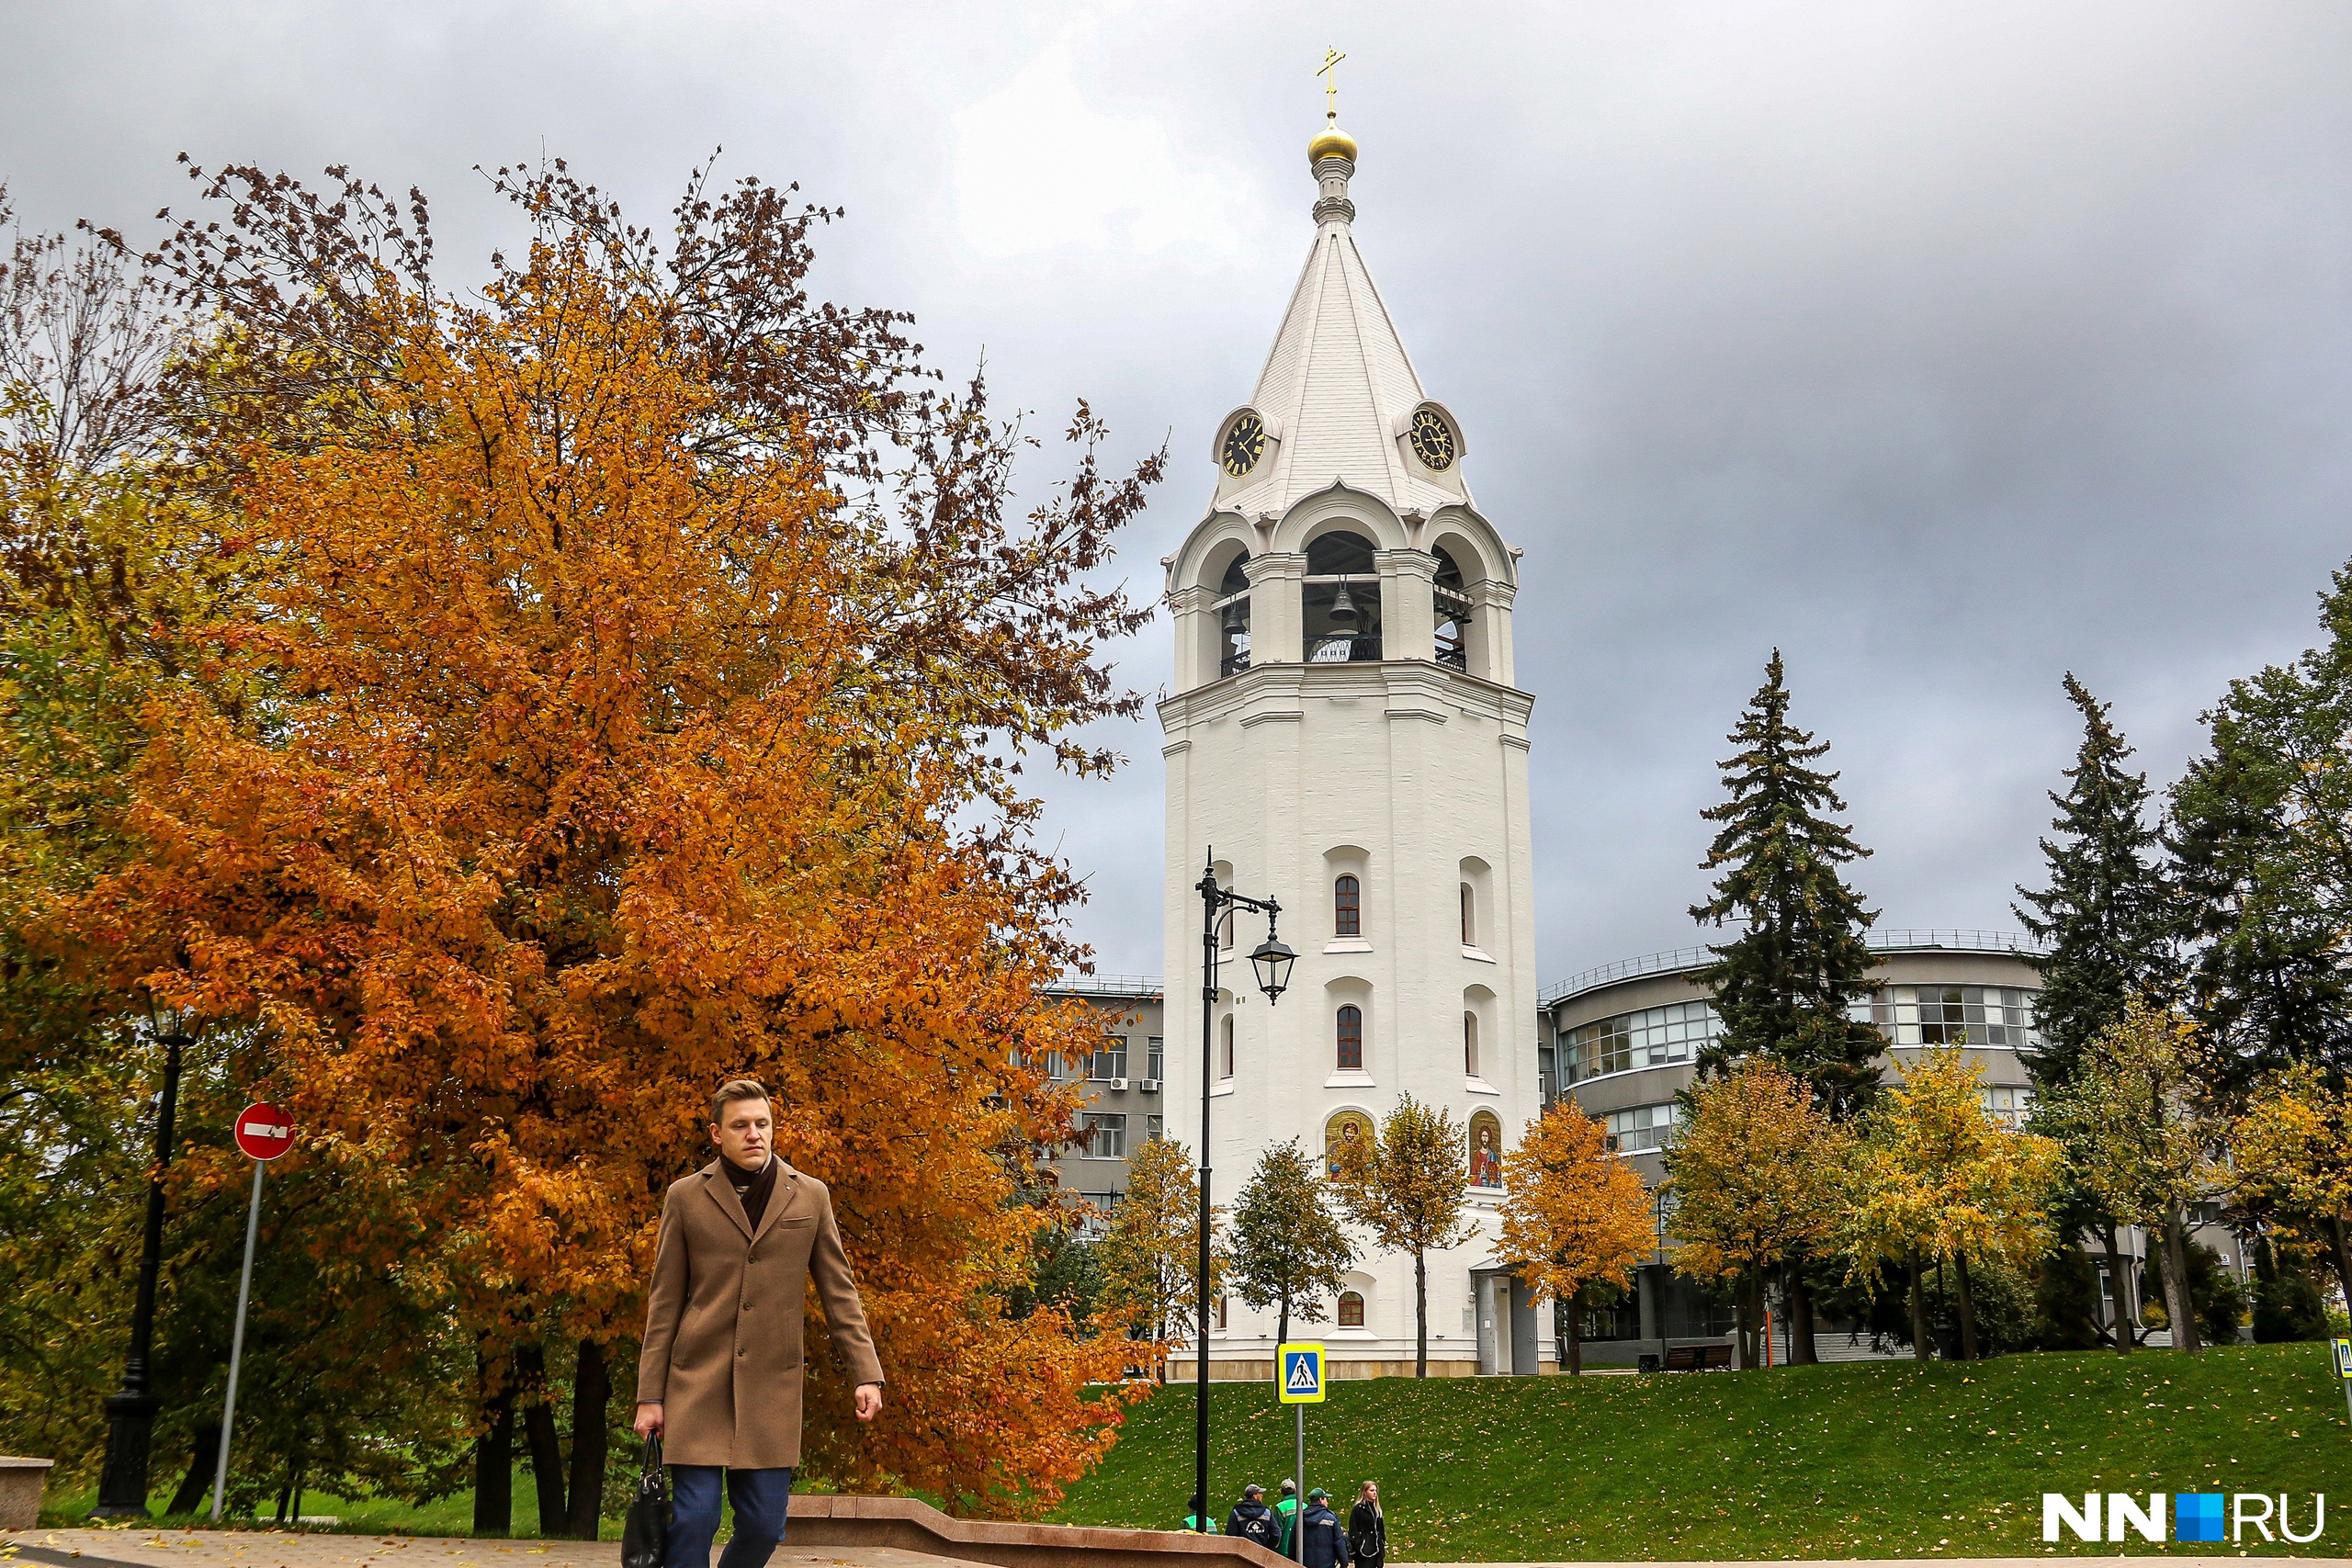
(263, 1130)
(1302, 1374)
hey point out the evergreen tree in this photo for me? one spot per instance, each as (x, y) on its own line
(2106, 915)
(2265, 865)
(1288, 1249)
(1783, 984)
(2265, 979)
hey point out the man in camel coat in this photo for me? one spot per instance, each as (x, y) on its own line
(719, 1377)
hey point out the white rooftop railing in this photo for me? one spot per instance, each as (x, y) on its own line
(1107, 985)
(1904, 939)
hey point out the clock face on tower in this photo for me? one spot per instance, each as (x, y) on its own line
(1244, 443)
(1432, 440)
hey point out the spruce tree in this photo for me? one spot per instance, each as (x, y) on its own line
(2264, 866)
(2265, 980)
(2106, 916)
(1783, 984)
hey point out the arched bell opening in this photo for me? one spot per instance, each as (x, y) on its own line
(1231, 613)
(1455, 613)
(1340, 600)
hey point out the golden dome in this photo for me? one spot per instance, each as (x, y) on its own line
(1331, 142)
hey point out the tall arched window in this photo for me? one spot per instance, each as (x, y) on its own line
(1469, 1043)
(1469, 918)
(1351, 1032)
(1224, 1048)
(1224, 929)
(1351, 1310)
(1347, 908)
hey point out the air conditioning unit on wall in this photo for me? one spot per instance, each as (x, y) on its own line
(1118, 1084)
(1149, 1086)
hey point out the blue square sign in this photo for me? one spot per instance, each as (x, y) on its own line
(1299, 1373)
(2197, 1515)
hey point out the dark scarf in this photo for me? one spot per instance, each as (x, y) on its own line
(751, 1187)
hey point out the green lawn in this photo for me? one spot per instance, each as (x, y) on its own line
(1862, 1460)
(453, 1514)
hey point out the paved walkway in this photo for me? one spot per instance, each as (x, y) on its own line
(274, 1549)
(286, 1548)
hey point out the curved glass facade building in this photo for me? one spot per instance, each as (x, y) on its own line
(1623, 1042)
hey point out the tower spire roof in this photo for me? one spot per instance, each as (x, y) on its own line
(1337, 390)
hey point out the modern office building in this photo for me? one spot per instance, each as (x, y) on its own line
(1620, 1041)
(1122, 1080)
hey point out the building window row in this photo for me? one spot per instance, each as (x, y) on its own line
(1102, 1134)
(1109, 1060)
(1997, 1016)
(2000, 1016)
(1638, 1128)
(1652, 1037)
(1347, 911)
(2007, 1104)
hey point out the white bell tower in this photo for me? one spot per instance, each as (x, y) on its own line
(1345, 737)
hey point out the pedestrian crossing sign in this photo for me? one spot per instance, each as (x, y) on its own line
(1301, 1368)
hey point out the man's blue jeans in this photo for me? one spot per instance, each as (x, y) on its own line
(760, 1497)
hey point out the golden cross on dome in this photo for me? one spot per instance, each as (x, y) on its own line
(1331, 68)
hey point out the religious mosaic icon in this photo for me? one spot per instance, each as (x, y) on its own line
(1244, 443)
(1486, 1150)
(1345, 1135)
(1432, 440)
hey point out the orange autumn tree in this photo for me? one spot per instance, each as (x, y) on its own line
(1576, 1214)
(649, 653)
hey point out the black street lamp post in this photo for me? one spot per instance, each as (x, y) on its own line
(130, 1413)
(1272, 961)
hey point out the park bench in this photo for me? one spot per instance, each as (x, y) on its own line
(1697, 1358)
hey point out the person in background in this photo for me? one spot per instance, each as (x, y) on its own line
(1321, 1542)
(1252, 1520)
(1196, 1517)
(1368, 1527)
(1287, 1509)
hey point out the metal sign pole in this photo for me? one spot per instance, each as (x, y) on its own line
(237, 1344)
(1300, 1380)
(1297, 1534)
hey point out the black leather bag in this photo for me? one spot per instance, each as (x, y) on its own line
(645, 1533)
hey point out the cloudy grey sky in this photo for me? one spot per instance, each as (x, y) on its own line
(1947, 347)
